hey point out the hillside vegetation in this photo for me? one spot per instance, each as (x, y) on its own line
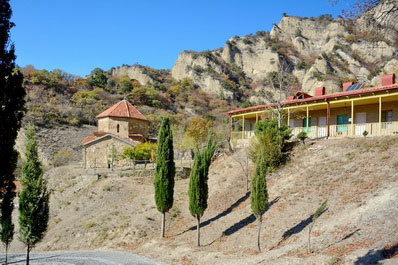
(358, 177)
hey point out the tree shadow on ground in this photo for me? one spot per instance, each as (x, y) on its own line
(224, 213)
(246, 221)
(374, 256)
(298, 227)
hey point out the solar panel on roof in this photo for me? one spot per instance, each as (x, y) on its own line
(354, 87)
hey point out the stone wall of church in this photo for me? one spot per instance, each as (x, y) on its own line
(99, 154)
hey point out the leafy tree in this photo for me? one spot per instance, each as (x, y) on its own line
(165, 171)
(34, 197)
(198, 188)
(125, 84)
(198, 129)
(270, 142)
(97, 78)
(321, 209)
(12, 110)
(144, 95)
(259, 193)
(144, 151)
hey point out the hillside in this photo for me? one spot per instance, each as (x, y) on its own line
(310, 52)
(358, 177)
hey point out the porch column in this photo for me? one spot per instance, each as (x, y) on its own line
(230, 128)
(243, 126)
(288, 118)
(379, 115)
(328, 120)
(307, 120)
(352, 117)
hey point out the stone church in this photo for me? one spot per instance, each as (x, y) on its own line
(120, 126)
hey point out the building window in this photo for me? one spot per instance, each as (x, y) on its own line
(386, 116)
(117, 128)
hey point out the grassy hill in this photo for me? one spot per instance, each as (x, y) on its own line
(358, 177)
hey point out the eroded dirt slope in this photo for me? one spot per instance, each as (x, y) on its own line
(358, 177)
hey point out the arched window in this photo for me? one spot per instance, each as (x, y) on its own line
(117, 128)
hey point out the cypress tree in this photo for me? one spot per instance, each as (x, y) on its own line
(259, 194)
(198, 188)
(12, 103)
(164, 172)
(7, 227)
(34, 197)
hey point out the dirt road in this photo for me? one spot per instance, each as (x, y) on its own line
(81, 258)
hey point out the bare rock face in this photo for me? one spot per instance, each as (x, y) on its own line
(252, 54)
(308, 36)
(321, 51)
(136, 71)
(204, 69)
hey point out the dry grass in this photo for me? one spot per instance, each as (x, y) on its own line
(354, 175)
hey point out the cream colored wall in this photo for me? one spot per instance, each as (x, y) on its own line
(98, 154)
(138, 126)
(372, 113)
(109, 124)
(126, 126)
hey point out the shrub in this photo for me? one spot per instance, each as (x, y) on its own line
(302, 136)
(144, 151)
(145, 96)
(261, 33)
(301, 65)
(62, 157)
(351, 38)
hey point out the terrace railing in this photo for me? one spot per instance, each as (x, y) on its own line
(373, 129)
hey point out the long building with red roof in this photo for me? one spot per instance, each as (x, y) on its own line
(350, 112)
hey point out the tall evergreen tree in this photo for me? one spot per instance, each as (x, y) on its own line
(12, 103)
(198, 188)
(259, 194)
(34, 197)
(165, 171)
(7, 227)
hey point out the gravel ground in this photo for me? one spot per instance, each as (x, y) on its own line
(81, 258)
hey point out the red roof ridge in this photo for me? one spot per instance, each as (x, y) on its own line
(126, 110)
(91, 138)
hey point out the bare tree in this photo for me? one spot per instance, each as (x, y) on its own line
(277, 86)
(373, 14)
(243, 161)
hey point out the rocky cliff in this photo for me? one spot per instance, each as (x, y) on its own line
(316, 52)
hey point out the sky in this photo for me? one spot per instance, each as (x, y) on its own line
(77, 36)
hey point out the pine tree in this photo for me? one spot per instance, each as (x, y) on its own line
(12, 104)
(165, 171)
(259, 194)
(34, 197)
(198, 188)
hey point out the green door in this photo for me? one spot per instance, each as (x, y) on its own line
(308, 130)
(342, 121)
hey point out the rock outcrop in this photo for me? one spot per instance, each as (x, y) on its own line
(135, 71)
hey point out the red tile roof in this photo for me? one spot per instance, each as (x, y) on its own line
(88, 139)
(122, 109)
(363, 91)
